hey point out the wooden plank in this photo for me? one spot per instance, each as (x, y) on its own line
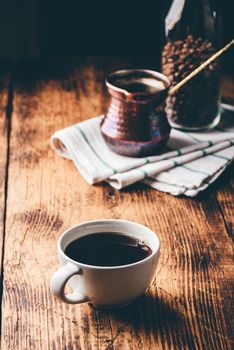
(225, 192)
(225, 199)
(226, 205)
(183, 309)
(4, 129)
(228, 88)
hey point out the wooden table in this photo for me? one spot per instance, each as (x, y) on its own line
(189, 306)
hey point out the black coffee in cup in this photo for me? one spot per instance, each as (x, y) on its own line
(107, 249)
(140, 84)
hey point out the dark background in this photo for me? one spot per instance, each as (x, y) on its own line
(37, 29)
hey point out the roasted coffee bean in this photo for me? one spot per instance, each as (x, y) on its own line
(196, 104)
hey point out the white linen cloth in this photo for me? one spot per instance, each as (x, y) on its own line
(187, 165)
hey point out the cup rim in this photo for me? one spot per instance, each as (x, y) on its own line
(99, 267)
(121, 72)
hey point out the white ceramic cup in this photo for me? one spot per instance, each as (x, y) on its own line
(105, 286)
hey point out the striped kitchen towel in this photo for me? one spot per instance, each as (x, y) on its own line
(187, 165)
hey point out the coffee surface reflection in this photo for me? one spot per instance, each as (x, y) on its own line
(107, 249)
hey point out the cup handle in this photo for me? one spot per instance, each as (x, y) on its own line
(58, 283)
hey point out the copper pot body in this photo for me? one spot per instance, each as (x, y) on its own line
(135, 124)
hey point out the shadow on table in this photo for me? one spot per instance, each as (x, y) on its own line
(221, 184)
(147, 315)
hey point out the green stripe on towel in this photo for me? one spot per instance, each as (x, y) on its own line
(175, 162)
(195, 171)
(179, 152)
(143, 172)
(219, 156)
(210, 143)
(96, 154)
(204, 153)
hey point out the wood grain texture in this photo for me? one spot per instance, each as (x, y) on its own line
(4, 133)
(189, 304)
(226, 205)
(228, 88)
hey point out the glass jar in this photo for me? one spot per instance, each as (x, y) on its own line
(192, 35)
